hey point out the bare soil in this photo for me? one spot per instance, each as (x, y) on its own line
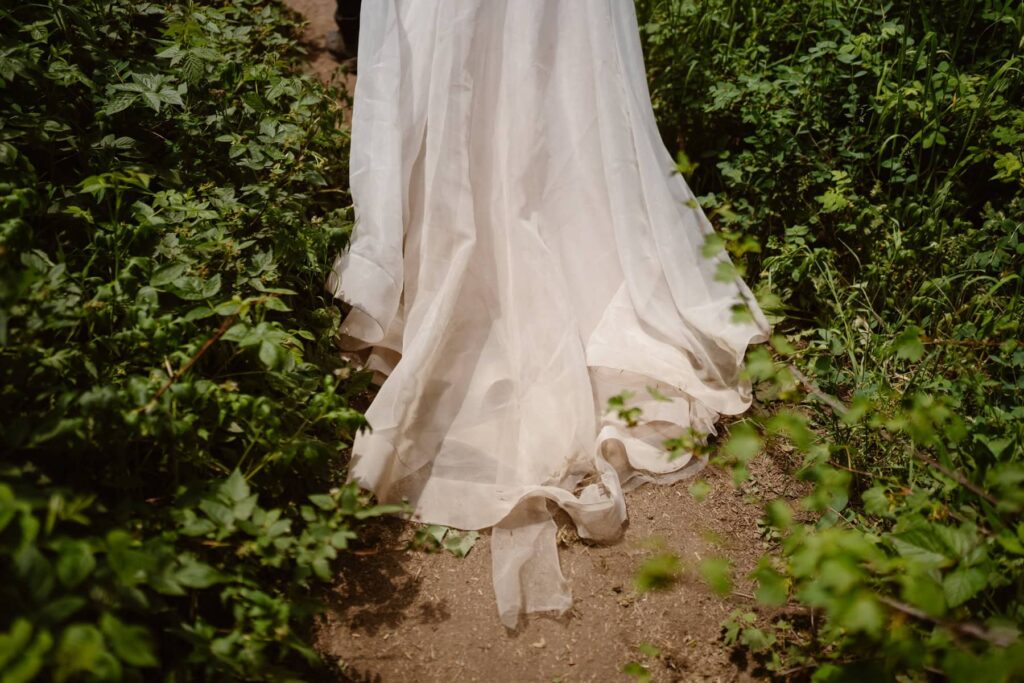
(319, 16)
(399, 614)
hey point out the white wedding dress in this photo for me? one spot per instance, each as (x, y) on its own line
(523, 250)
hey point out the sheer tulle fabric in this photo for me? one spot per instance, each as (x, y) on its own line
(523, 251)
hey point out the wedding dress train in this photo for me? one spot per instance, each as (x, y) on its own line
(523, 251)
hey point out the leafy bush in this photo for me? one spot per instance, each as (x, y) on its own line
(865, 158)
(172, 408)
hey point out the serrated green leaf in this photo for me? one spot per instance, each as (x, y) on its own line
(908, 344)
(221, 514)
(922, 545)
(236, 487)
(924, 592)
(962, 584)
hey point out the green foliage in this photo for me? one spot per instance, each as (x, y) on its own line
(873, 152)
(172, 411)
(658, 572)
(637, 670)
(434, 537)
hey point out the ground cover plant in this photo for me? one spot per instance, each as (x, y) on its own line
(865, 162)
(172, 409)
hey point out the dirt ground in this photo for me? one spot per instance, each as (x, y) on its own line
(399, 614)
(319, 16)
(407, 615)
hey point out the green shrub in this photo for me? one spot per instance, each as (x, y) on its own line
(866, 159)
(173, 411)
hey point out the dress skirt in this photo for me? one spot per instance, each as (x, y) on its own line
(523, 251)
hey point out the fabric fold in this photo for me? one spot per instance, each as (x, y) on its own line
(524, 251)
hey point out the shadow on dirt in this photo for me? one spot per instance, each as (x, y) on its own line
(375, 588)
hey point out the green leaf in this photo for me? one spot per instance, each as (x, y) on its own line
(779, 515)
(963, 584)
(196, 574)
(756, 639)
(908, 344)
(82, 650)
(744, 443)
(118, 103)
(273, 356)
(876, 501)
(167, 274)
(14, 641)
(717, 572)
(637, 671)
(193, 525)
(341, 538)
(276, 304)
(922, 545)
(23, 652)
(322, 568)
(649, 650)
(832, 200)
(60, 610)
(378, 511)
(74, 563)
(923, 591)
(794, 427)
(132, 644)
(236, 487)
(459, 544)
(996, 446)
(958, 540)
(862, 613)
(700, 490)
(658, 572)
(152, 99)
(772, 586)
(171, 52)
(171, 96)
(243, 509)
(8, 506)
(323, 501)
(218, 512)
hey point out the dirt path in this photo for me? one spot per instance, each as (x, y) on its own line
(319, 15)
(406, 615)
(402, 615)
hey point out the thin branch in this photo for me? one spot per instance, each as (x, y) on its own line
(967, 628)
(813, 389)
(956, 476)
(963, 627)
(970, 343)
(853, 470)
(224, 327)
(840, 409)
